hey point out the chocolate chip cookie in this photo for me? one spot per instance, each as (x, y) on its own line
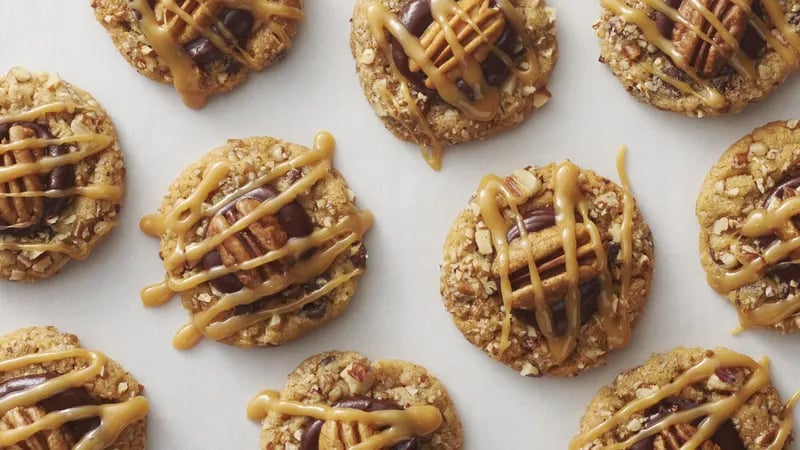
(442, 72)
(689, 398)
(700, 57)
(262, 240)
(61, 174)
(548, 269)
(385, 404)
(749, 213)
(203, 47)
(56, 395)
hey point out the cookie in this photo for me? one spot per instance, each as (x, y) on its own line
(689, 398)
(443, 72)
(749, 213)
(202, 47)
(548, 269)
(380, 404)
(262, 240)
(57, 395)
(61, 174)
(700, 57)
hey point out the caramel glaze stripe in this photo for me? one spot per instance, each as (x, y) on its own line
(189, 212)
(715, 412)
(738, 60)
(187, 77)
(114, 417)
(759, 223)
(568, 198)
(40, 111)
(487, 99)
(400, 425)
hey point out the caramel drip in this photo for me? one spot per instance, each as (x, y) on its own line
(187, 77)
(715, 412)
(400, 425)
(114, 417)
(180, 221)
(737, 59)
(568, 198)
(486, 102)
(760, 223)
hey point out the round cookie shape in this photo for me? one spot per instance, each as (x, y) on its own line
(55, 377)
(548, 269)
(262, 240)
(443, 72)
(749, 214)
(689, 398)
(388, 404)
(700, 57)
(62, 175)
(202, 47)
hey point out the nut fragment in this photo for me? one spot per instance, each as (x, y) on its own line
(491, 22)
(359, 378)
(701, 56)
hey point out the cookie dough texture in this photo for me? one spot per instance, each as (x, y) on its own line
(115, 385)
(326, 203)
(384, 90)
(84, 221)
(628, 53)
(319, 379)
(756, 421)
(472, 295)
(267, 44)
(740, 182)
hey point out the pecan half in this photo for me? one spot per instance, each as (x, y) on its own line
(673, 438)
(21, 212)
(704, 58)
(490, 23)
(264, 235)
(48, 439)
(204, 13)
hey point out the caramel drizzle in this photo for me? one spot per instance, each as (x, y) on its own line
(187, 77)
(185, 216)
(567, 198)
(759, 223)
(715, 412)
(401, 425)
(486, 104)
(114, 417)
(88, 145)
(737, 59)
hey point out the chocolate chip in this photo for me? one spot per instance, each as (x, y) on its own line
(664, 24)
(787, 271)
(309, 439)
(534, 221)
(295, 221)
(250, 308)
(239, 22)
(590, 294)
(753, 45)
(201, 50)
(316, 310)
(70, 398)
(359, 260)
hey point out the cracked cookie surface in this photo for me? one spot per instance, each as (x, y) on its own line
(62, 175)
(749, 214)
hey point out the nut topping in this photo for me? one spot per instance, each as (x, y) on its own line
(708, 60)
(203, 12)
(264, 235)
(489, 20)
(21, 212)
(548, 252)
(23, 416)
(673, 438)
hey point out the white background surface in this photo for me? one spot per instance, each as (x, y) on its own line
(199, 396)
